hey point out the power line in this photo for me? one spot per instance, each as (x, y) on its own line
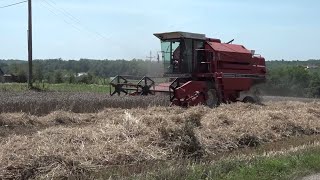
(5, 0)
(76, 19)
(14, 4)
(72, 18)
(64, 11)
(54, 12)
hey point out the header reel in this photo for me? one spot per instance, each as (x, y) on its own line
(143, 87)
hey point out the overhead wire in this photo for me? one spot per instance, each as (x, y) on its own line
(72, 18)
(54, 8)
(54, 13)
(14, 4)
(66, 16)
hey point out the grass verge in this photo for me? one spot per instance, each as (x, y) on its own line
(289, 166)
(64, 87)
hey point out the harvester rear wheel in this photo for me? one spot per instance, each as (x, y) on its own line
(249, 99)
(213, 100)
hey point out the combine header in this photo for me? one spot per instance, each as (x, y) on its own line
(200, 70)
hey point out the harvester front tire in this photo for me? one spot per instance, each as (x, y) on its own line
(213, 100)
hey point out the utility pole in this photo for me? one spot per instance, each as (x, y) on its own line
(30, 43)
(158, 55)
(150, 57)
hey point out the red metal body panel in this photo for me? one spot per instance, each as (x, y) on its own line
(235, 69)
(239, 84)
(233, 48)
(191, 93)
(189, 88)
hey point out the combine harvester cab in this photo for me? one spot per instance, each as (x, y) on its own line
(202, 71)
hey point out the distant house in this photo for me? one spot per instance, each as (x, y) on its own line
(312, 67)
(82, 74)
(9, 78)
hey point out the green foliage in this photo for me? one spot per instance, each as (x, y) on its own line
(72, 78)
(288, 166)
(63, 87)
(60, 71)
(22, 76)
(292, 81)
(38, 73)
(58, 76)
(314, 87)
(87, 79)
(285, 78)
(288, 81)
(13, 87)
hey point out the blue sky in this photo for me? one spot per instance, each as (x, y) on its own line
(109, 29)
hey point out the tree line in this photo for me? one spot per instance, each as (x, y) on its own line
(293, 78)
(82, 71)
(285, 78)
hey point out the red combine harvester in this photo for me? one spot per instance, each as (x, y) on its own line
(201, 71)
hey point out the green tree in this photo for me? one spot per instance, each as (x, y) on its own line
(38, 73)
(58, 76)
(314, 86)
(72, 78)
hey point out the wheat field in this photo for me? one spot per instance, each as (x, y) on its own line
(64, 144)
(42, 103)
